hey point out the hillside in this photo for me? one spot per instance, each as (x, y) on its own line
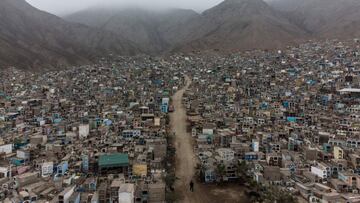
(240, 25)
(323, 18)
(152, 31)
(30, 38)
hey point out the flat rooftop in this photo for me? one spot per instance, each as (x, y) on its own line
(350, 90)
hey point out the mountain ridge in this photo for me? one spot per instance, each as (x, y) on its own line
(203, 31)
(30, 38)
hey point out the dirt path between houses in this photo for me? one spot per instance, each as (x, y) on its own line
(185, 158)
(186, 162)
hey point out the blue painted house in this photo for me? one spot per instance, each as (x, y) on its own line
(62, 168)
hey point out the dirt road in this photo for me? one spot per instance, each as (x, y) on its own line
(186, 163)
(185, 158)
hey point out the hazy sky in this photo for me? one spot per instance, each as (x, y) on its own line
(61, 7)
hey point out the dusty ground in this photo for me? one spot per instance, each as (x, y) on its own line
(186, 163)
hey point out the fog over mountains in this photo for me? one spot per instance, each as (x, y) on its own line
(30, 38)
(64, 7)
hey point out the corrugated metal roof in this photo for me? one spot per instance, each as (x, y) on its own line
(114, 160)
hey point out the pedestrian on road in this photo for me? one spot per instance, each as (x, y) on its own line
(192, 186)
